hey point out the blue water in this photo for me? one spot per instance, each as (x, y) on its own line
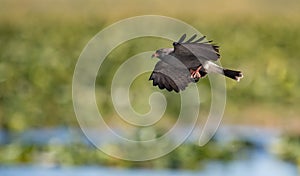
(259, 161)
(258, 165)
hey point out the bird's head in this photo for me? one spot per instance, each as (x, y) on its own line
(161, 53)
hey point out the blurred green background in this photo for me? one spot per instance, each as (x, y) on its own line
(40, 42)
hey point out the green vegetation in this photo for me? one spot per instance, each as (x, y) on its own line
(188, 156)
(288, 148)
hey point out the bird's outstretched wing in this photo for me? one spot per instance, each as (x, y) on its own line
(202, 50)
(170, 78)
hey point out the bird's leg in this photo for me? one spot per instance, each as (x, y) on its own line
(195, 73)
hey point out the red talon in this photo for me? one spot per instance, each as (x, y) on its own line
(195, 73)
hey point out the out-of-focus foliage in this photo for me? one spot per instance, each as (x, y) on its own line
(188, 156)
(288, 148)
(40, 45)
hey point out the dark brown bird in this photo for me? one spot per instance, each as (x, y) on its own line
(187, 62)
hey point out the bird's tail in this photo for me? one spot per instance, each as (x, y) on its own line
(214, 68)
(236, 75)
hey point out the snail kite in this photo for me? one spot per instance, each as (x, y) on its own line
(187, 62)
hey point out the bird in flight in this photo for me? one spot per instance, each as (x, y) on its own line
(187, 62)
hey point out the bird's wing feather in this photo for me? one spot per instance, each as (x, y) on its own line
(199, 40)
(169, 77)
(205, 50)
(192, 38)
(182, 38)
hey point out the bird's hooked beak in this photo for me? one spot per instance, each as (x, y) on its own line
(154, 55)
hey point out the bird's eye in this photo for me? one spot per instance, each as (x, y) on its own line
(175, 43)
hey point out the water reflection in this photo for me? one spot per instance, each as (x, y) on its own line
(255, 157)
